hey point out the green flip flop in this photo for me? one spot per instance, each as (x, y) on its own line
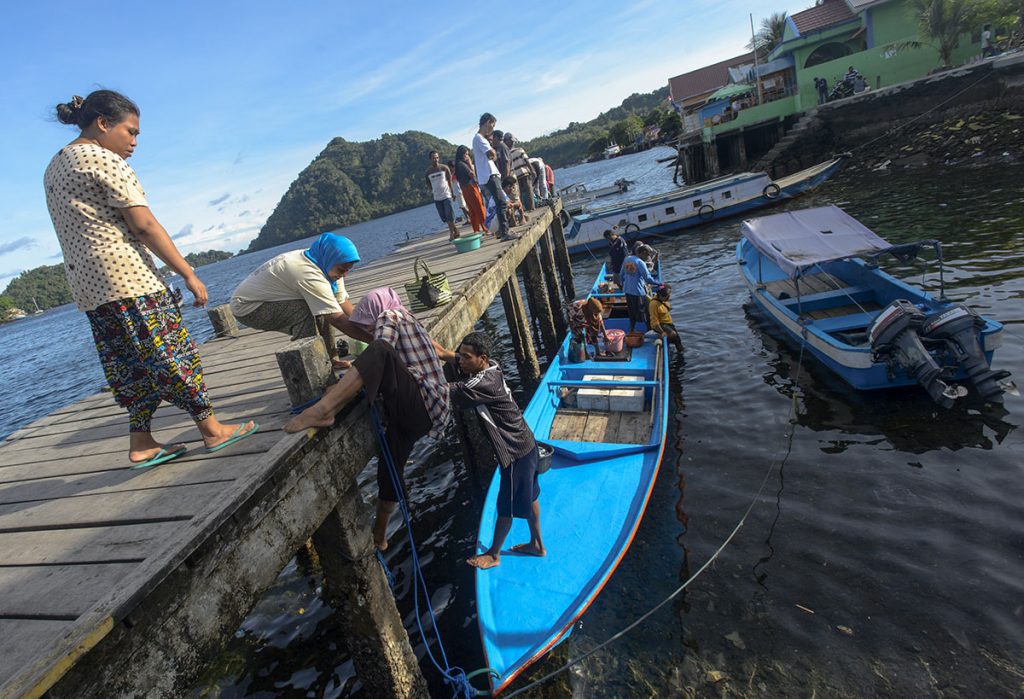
(161, 457)
(237, 436)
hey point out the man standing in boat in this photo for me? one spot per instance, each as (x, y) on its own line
(617, 253)
(518, 457)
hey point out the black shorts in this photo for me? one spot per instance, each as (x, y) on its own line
(518, 486)
(445, 210)
(637, 307)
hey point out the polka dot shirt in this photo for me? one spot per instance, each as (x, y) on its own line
(86, 187)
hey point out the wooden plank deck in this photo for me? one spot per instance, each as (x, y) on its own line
(93, 554)
(611, 427)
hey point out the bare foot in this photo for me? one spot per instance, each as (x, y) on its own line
(528, 550)
(340, 364)
(484, 561)
(380, 534)
(225, 432)
(313, 416)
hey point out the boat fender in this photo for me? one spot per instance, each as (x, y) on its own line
(630, 228)
(771, 191)
(706, 212)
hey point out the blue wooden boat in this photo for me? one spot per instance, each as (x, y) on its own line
(815, 273)
(690, 206)
(592, 498)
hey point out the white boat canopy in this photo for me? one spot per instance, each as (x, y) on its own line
(800, 239)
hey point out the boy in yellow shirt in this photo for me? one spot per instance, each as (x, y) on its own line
(661, 317)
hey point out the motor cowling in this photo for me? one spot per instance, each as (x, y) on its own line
(958, 328)
(894, 339)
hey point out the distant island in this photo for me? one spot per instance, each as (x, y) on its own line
(47, 286)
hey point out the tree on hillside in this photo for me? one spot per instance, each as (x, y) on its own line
(769, 35)
(626, 131)
(670, 125)
(940, 24)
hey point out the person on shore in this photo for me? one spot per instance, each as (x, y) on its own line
(465, 175)
(516, 215)
(487, 170)
(439, 179)
(106, 233)
(618, 251)
(635, 280)
(986, 41)
(521, 170)
(821, 85)
(502, 153)
(401, 373)
(302, 293)
(484, 389)
(539, 178)
(457, 196)
(659, 311)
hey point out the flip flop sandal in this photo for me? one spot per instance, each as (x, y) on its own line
(161, 457)
(237, 436)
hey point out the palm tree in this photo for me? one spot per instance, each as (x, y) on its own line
(769, 35)
(941, 23)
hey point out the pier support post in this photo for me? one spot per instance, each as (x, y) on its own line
(519, 328)
(223, 321)
(547, 265)
(370, 622)
(306, 369)
(711, 166)
(537, 298)
(557, 233)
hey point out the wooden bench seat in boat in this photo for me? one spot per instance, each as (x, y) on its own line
(825, 299)
(609, 427)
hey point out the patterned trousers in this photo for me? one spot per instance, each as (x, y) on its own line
(148, 356)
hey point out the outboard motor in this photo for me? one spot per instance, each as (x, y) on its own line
(894, 339)
(957, 327)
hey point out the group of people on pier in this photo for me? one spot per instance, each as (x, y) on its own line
(107, 231)
(497, 169)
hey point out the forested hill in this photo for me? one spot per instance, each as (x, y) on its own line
(350, 182)
(621, 124)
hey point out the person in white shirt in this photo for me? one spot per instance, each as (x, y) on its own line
(487, 171)
(439, 178)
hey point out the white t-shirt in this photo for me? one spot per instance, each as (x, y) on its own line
(439, 184)
(290, 276)
(485, 167)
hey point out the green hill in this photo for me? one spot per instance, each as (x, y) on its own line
(48, 285)
(350, 182)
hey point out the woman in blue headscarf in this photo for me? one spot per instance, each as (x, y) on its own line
(302, 292)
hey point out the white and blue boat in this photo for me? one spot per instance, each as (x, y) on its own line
(815, 273)
(605, 420)
(690, 206)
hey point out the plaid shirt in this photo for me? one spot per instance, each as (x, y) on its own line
(401, 330)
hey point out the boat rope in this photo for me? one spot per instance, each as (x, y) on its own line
(788, 449)
(454, 676)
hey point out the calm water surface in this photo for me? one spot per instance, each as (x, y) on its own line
(884, 557)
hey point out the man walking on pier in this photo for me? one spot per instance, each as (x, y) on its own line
(439, 178)
(487, 171)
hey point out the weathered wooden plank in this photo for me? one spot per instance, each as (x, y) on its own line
(569, 424)
(57, 591)
(21, 641)
(634, 428)
(85, 544)
(596, 426)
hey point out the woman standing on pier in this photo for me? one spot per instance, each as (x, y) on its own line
(466, 177)
(106, 232)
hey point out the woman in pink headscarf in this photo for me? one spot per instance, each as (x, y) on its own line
(402, 375)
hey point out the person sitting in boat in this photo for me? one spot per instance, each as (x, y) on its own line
(401, 374)
(618, 251)
(660, 314)
(302, 293)
(586, 323)
(652, 258)
(484, 389)
(635, 279)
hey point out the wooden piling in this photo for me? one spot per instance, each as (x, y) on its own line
(537, 298)
(370, 622)
(223, 321)
(562, 259)
(519, 328)
(547, 265)
(306, 369)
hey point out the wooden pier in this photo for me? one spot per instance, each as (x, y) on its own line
(116, 582)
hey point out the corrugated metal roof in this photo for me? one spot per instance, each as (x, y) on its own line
(822, 16)
(705, 80)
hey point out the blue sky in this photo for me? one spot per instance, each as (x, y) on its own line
(237, 98)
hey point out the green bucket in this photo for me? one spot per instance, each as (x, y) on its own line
(467, 243)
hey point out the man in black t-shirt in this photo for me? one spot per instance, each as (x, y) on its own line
(618, 250)
(486, 391)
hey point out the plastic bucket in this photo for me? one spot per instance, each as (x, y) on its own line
(615, 340)
(546, 453)
(465, 243)
(634, 340)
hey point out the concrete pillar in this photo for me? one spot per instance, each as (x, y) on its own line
(547, 265)
(370, 622)
(223, 321)
(519, 328)
(562, 259)
(537, 298)
(306, 369)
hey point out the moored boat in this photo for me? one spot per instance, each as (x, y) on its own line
(691, 206)
(815, 273)
(576, 196)
(605, 420)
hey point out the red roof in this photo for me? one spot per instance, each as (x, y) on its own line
(826, 14)
(706, 79)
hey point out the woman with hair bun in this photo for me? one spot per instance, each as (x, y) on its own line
(106, 232)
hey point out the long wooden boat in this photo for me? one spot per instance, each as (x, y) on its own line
(815, 273)
(690, 206)
(606, 422)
